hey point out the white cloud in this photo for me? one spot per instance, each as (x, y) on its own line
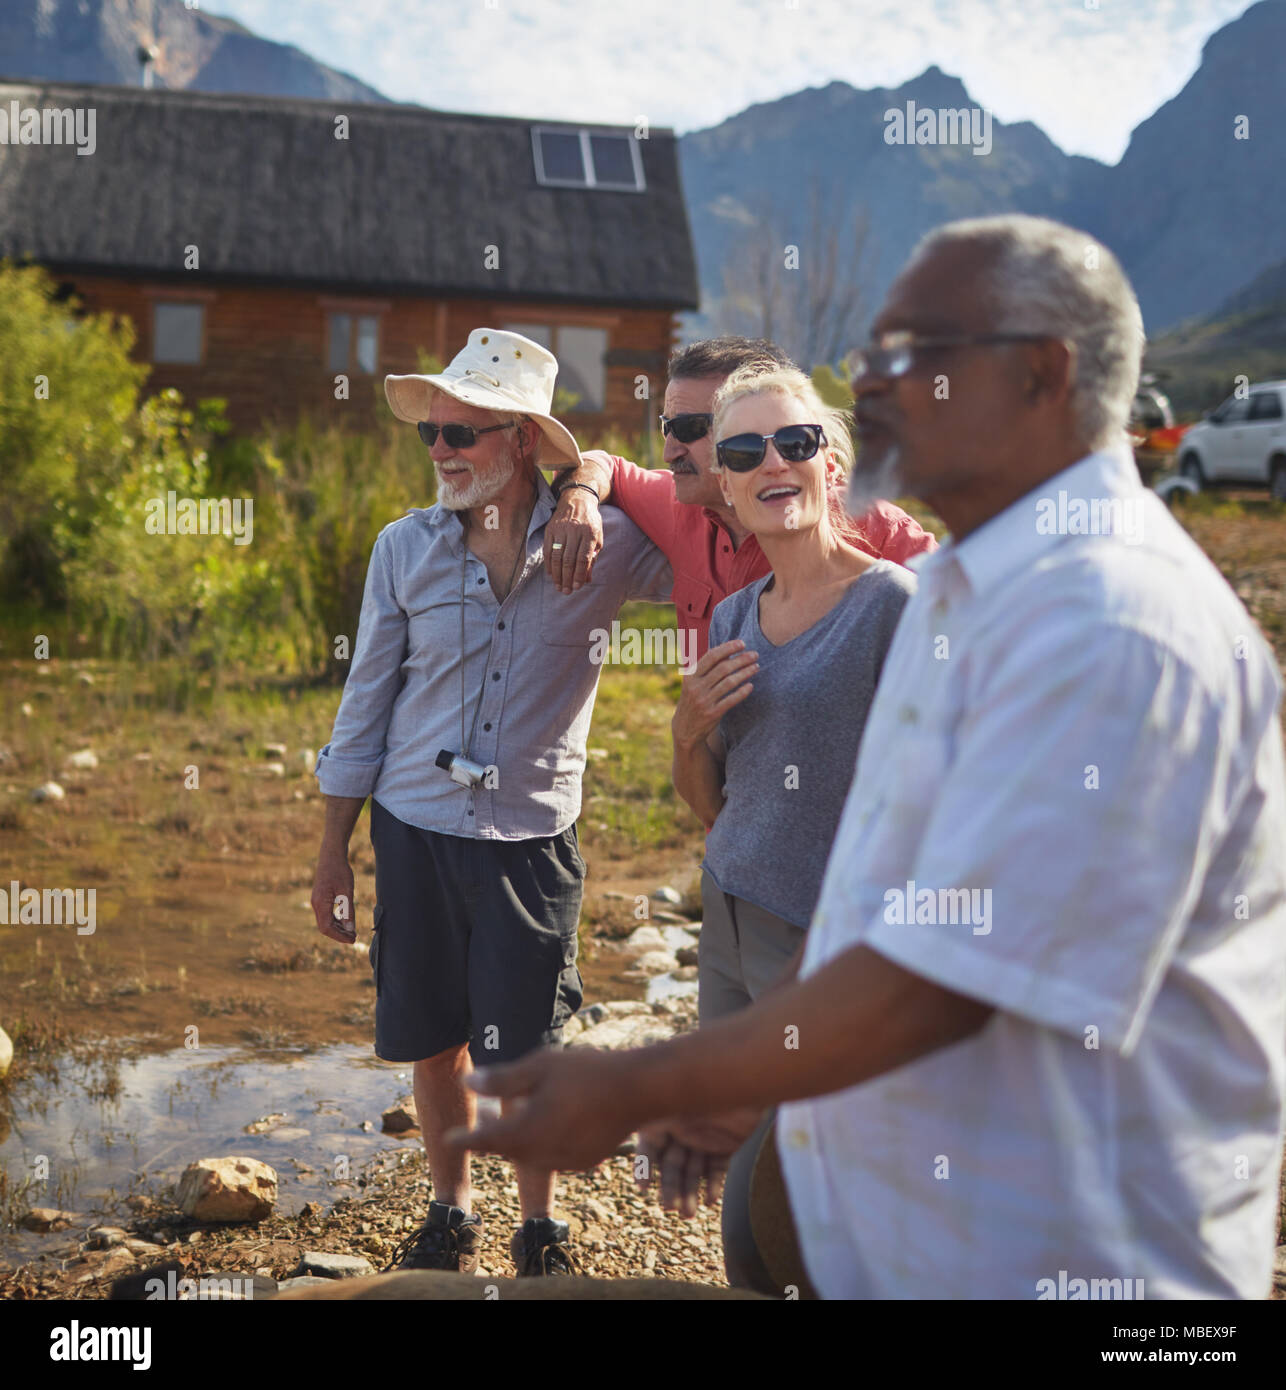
(1085, 72)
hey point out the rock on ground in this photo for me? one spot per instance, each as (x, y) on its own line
(400, 1117)
(227, 1189)
(328, 1264)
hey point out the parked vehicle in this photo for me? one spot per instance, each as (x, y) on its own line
(1242, 441)
(1152, 430)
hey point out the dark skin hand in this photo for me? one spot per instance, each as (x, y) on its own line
(856, 1017)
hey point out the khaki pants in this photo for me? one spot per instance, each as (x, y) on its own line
(743, 950)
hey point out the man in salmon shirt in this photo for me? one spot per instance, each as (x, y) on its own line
(711, 553)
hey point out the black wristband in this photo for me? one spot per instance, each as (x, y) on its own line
(559, 492)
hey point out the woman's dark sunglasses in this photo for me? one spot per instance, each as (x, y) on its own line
(795, 443)
(456, 436)
(687, 429)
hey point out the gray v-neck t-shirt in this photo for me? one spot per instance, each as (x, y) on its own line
(792, 743)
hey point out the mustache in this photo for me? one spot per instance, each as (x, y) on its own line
(865, 419)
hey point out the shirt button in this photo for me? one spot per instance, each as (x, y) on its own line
(482, 581)
(471, 810)
(501, 626)
(908, 714)
(486, 728)
(797, 1139)
(495, 675)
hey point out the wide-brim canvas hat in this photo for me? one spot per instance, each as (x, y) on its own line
(495, 370)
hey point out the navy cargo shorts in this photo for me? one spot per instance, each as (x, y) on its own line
(474, 941)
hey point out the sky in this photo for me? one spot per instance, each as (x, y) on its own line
(1086, 71)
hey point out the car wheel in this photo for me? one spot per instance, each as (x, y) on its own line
(1190, 467)
(1277, 478)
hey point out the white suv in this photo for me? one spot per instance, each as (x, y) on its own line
(1242, 441)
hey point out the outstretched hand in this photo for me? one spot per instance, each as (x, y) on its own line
(565, 1111)
(687, 1153)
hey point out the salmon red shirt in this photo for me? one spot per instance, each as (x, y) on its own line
(697, 542)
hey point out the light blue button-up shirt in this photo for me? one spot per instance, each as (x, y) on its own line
(529, 658)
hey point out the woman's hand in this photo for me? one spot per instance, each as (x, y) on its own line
(721, 679)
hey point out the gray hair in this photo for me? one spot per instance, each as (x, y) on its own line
(1045, 277)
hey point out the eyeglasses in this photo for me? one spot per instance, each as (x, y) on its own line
(687, 429)
(892, 355)
(456, 436)
(795, 443)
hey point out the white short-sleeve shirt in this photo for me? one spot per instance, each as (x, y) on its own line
(1077, 724)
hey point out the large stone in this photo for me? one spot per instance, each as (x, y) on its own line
(6, 1053)
(104, 1237)
(629, 1031)
(626, 1008)
(646, 938)
(402, 1116)
(666, 894)
(46, 1219)
(652, 963)
(48, 791)
(83, 760)
(227, 1189)
(265, 1123)
(328, 1265)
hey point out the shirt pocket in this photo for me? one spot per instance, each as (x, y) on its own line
(692, 599)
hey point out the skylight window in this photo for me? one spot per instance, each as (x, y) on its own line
(587, 159)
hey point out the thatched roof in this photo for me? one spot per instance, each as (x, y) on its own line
(408, 203)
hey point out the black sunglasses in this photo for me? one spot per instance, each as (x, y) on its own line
(456, 436)
(687, 429)
(795, 443)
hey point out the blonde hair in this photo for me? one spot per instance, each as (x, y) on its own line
(756, 380)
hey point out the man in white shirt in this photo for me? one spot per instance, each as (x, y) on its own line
(1035, 1044)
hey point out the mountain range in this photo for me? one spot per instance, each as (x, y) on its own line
(1194, 211)
(98, 41)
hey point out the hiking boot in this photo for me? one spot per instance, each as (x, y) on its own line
(541, 1248)
(448, 1240)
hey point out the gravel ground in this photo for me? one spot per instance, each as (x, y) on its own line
(617, 1232)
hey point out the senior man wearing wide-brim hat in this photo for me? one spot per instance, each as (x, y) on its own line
(464, 718)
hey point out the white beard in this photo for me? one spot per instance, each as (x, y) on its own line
(883, 483)
(457, 497)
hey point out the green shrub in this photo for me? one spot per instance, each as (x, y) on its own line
(68, 398)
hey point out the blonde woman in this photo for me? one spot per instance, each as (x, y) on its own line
(767, 728)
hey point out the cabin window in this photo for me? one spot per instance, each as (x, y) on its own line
(353, 343)
(178, 332)
(587, 159)
(582, 359)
